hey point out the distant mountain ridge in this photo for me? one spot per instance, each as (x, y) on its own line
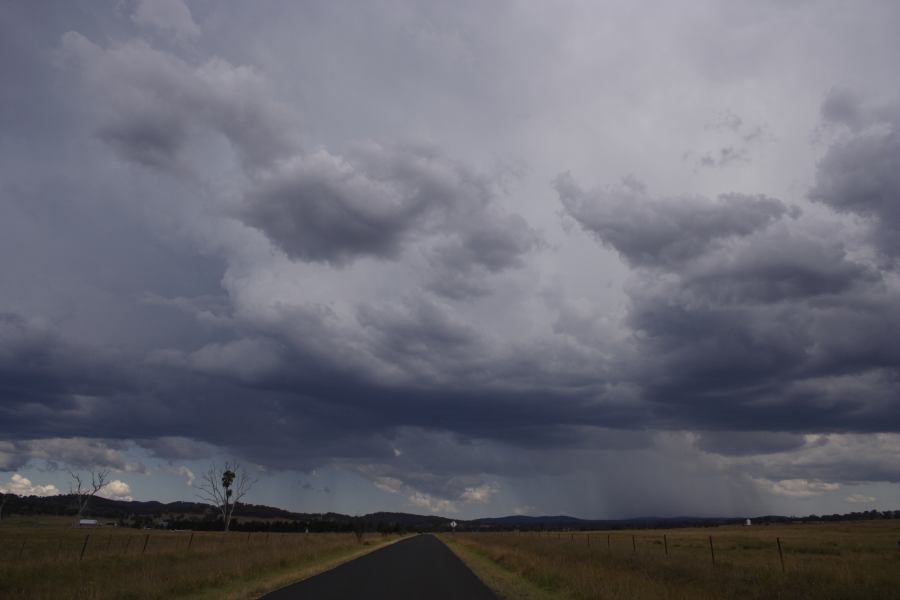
(198, 515)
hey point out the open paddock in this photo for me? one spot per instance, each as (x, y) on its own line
(841, 560)
(43, 561)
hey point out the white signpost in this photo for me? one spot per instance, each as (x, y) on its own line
(453, 526)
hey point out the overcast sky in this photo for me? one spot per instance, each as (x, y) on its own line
(607, 259)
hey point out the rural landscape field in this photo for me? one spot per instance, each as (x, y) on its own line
(852, 560)
(46, 558)
(449, 300)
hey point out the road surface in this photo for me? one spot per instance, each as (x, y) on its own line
(418, 568)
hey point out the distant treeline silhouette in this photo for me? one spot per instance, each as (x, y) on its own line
(199, 516)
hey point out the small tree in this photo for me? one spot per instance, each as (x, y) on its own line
(84, 491)
(224, 488)
(3, 499)
(359, 528)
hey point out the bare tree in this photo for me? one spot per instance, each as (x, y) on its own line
(224, 488)
(84, 491)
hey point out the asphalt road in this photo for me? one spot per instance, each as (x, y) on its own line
(418, 568)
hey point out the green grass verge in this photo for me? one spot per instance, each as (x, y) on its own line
(251, 589)
(503, 581)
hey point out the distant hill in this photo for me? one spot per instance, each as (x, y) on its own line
(257, 517)
(526, 520)
(566, 522)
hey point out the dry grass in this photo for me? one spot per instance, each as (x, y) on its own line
(46, 562)
(827, 561)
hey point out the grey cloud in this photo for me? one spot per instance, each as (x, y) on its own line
(739, 314)
(738, 443)
(421, 338)
(376, 200)
(777, 265)
(324, 207)
(844, 458)
(40, 371)
(733, 139)
(725, 120)
(724, 156)
(154, 140)
(58, 453)
(173, 448)
(651, 232)
(842, 106)
(169, 16)
(411, 304)
(858, 175)
(492, 244)
(150, 101)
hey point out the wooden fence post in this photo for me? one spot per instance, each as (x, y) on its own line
(780, 553)
(633, 544)
(608, 543)
(191, 540)
(146, 541)
(589, 540)
(84, 547)
(712, 552)
(22, 547)
(666, 544)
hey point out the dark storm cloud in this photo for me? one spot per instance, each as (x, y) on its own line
(42, 375)
(376, 200)
(777, 266)
(388, 306)
(663, 232)
(744, 317)
(859, 175)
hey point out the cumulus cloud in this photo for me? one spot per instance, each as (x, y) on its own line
(799, 488)
(117, 490)
(859, 499)
(481, 494)
(428, 503)
(187, 474)
(22, 486)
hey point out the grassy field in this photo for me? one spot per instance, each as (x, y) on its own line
(822, 561)
(45, 559)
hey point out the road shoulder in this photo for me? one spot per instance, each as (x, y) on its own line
(274, 581)
(506, 584)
